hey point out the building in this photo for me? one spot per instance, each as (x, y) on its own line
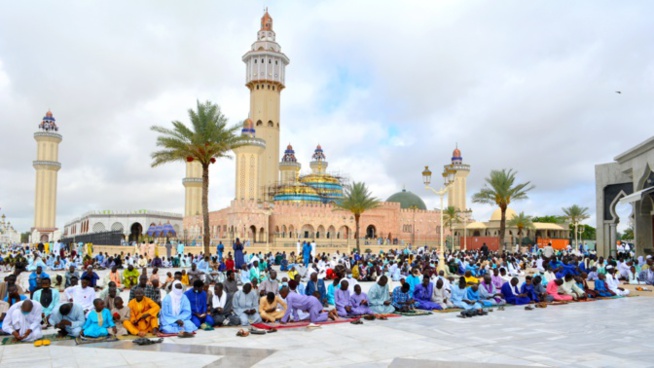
(8, 235)
(274, 204)
(47, 167)
(133, 225)
(628, 180)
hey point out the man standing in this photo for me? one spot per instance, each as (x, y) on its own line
(23, 321)
(220, 250)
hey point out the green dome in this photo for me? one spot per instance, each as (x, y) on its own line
(407, 200)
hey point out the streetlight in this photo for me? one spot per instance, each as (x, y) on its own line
(448, 179)
(465, 213)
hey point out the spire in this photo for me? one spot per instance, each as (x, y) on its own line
(266, 21)
(49, 122)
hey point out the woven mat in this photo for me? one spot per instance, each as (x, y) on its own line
(449, 310)
(83, 340)
(9, 340)
(269, 326)
(414, 313)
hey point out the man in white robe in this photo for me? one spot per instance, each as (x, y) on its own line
(23, 321)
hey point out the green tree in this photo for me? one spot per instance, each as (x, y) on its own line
(575, 215)
(500, 190)
(25, 237)
(628, 234)
(357, 199)
(207, 138)
(451, 217)
(548, 219)
(521, 221)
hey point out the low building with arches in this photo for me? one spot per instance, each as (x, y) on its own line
(629, 180)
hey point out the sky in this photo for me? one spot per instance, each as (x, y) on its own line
(386, 87)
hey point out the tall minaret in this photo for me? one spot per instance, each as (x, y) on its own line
(289, 168)
(193, 187)
(265, 77)
(319, 163)
(248, 164)
(456, 196)
(47, 166)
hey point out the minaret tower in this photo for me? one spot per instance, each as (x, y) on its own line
(319, 163)
(47, 166)
(193, 187)
(248, 164)
(456, 196)
(265, 77)
(289, 168)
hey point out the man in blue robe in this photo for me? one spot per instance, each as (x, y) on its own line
(198, 299)
(35, 278)
(176, 313)
(528, 289)
(423, 293)
(306, 253)
(512, 295)
(316, 286)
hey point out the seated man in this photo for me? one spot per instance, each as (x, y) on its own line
(151, 292)
(221, 307)
(359, 302)
(92, 276)
(612, 282)
(47, 297)
(271, 285)
(176, 314)
(306, 303)
(512, 295)
(342, 300)
(423, 293)
(379, 297)
(647, 274)
(271, 307)
(527, 288)
(115, 277)
(35, 278)
(441, 295)
(142, 315)
(570, 287)
(198, 299)
(470, 279)
(68, 318)
(130, 277)
(460, 297)
(488, 294)
(120, 314)
(83, 294)
(316, 287)
(23, 321)
(473, 296)
(541, 290)
(99, 321)
(402, 298)
(554, 290)
(601, 288)
(246, 304)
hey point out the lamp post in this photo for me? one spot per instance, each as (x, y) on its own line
(465, 213)
(448, 179)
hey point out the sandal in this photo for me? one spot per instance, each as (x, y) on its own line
(255, 331)
(184, 334)
(46, 342)
(242, 333)
(272, 330)
(529, 307)
(357, 322)
(369, 317)
(38, 343)
(382, 318)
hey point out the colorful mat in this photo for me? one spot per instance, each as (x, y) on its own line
(300, 324)
(9, 340)
(449, 310)
(83, 340)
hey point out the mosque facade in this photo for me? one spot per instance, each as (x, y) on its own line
(274, 204)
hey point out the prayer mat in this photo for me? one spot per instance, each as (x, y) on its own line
(415, 313)
(449, 310)
(83, 340)
(163, 334)
(9, 340)
(278, 326)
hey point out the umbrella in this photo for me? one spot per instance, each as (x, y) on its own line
(152, 230)
(158, 230)
(168, 230)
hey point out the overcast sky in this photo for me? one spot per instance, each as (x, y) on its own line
(385, 87)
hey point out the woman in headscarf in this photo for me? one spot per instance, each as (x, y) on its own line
(175, 316)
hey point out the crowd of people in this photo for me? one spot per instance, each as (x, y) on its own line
(44, 287)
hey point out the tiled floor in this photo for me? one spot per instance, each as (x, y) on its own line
(599, 334)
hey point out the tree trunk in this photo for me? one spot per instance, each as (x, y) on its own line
(502, 226)
(205, 209)
(356, 233)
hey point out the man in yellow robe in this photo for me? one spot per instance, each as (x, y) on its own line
(142, 315)
(130, 277)
(269, 307)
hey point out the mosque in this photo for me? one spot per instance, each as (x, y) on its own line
(275, 204)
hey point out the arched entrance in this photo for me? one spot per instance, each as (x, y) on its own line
(371, 232)
(135, 232)
(252, 234)
(44, 238)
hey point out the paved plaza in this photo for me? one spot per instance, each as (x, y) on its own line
(606, 333)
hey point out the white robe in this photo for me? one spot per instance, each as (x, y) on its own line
(16, 321)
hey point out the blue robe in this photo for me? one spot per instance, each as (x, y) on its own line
(530, 291)
(168, 320)
(34, 277)
(198, 303)
(602, 289)
(511, 295)
(239, 261)
(92, 327)
(422, 295)
(413, 281)
(311, 288)
(306, 253)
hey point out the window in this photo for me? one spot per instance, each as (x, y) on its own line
(276, 62)
(255, 61)
(269, 61)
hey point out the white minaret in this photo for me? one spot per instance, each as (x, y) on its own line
(47, 166)
(265, 77)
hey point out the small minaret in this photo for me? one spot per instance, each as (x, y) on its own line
(248, 161)
(193, 188)
(456, 196)
(289, 167)
(318, 164)
(265, 77)
(47, 166)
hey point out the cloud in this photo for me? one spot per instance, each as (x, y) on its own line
(384, 88)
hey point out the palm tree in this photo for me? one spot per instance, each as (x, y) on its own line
(451, 217)
(357, 199)
(575, 215)
(521, 221)
(207, 139)
(500, 189)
